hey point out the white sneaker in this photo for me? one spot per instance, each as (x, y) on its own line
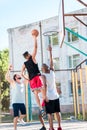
(21, 121)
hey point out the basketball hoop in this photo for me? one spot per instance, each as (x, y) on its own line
(50, 33)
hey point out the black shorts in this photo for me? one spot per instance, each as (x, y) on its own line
(52, 106)
(19, 107)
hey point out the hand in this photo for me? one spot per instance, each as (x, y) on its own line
(10, 67)
(46, 99)
(34, 37)
(49, 48)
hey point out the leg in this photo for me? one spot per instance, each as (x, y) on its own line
(41, 120)
(42, 86)
(37, 99)
(23, 113)
(15, 123)
(50, 119)
(55, 117)
(58, 119)
(21, 118)
(16, 114)
(43, 92)
(57, 111)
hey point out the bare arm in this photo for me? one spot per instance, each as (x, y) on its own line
(26, 82)
(58, 90)
(44, 81)
(51, 60)
(7, 76)
(22, 72)
(45, 87)
(35, 48)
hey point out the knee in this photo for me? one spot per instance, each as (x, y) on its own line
(15, 118)
(58, 114)
(35, 92)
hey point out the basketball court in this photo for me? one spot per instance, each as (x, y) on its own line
(66, 125)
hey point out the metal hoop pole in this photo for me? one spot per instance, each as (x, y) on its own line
(41, 42)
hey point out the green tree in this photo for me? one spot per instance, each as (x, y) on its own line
(4, 86)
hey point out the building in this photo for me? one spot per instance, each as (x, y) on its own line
(20, 40)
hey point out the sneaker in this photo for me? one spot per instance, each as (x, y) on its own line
(43, 113)
(59, 128)
(43, 128)
(22, 121)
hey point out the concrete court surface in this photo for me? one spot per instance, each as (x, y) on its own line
(66, 125)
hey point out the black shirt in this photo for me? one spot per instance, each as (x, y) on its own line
(32, 68)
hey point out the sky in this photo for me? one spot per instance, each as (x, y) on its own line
(14, 13)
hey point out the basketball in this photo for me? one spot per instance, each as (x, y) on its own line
(35, 32)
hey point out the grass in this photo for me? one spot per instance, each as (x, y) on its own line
(7, 118)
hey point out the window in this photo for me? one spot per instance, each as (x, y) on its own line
(74, 60)
(53, 40)
(79, 88)
(56, 63)
(71, 37)
(71, 88)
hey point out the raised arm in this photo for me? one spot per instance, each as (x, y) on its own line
(35, 48)
(7, 76)
(23, 72)
(51, 60)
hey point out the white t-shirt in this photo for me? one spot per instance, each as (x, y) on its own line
(18, 93)
(51, 86)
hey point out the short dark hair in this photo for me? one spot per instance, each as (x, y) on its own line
(45, 65)
(14, 77)
(25, 53)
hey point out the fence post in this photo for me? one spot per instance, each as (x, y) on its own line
(82, 94)
(29, 103)
(27, 111)
(74, 92)
(77, 95)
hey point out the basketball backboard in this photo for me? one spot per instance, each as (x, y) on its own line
(61, 22)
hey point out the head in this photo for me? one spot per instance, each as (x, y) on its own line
(17, 78)
(45, 68)
(26, 55)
